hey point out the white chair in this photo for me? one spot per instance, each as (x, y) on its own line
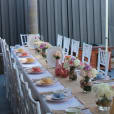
(16, 91)
(59, 41)
(86, 54)
(103, 62)
(24, 39)
(75, 47)
(31, 106)
(1, 54)
(66, 46)
(31, 39)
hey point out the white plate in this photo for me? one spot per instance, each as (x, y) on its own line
(29, 70)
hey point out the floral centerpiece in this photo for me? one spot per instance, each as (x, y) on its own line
(88, 73)
(70, 64)
(37, 45)
(43, 47)
(57, 55)
(104, 94)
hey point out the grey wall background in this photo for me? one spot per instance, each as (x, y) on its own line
(83, 20)
(13, 19)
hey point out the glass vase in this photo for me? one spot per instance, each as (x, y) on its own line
(72, 73)
(86, 84)
(104, 103)
(44, 53)
(58, 67)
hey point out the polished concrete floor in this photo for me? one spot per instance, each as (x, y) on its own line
(4, 104)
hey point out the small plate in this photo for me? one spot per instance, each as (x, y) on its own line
(51, 99)
(39, 83)
(30, 71)
(25, 61)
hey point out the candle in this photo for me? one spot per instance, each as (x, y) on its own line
(106, 26)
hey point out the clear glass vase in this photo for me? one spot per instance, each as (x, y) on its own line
(104, 103)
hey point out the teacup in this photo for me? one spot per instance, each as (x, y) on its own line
(73, 111)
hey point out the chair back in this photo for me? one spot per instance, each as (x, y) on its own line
(66, 46)
(31, 106)
(75, 47)
(59, 40)
(24, 39)
(32, 38)
(103, 61)
(86, 54)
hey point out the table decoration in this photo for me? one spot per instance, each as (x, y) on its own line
(88, 73)
(37, 46)
(19, 50)
(24, 54)
(27, 60)
(57, 56)
(43, 47)
(34, 70)
(72, 110)
(54, 56)
(71, 63)
(104, 94)
(46, 81)
(60, 96)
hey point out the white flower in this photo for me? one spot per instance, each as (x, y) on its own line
(103, 89)
(76, 62)
(93, 72)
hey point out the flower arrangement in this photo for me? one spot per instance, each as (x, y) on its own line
(87, 70)
(87, 73)
(57, 55)
(43, 46)
(71, 63)
(37, 45)
(104, 93)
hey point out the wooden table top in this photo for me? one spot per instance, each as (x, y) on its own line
(88, 99)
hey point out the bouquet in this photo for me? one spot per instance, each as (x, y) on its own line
(71, 63)
(57, 55)
(43, 47)
(37, 45)
(104, 93)
(87, 73)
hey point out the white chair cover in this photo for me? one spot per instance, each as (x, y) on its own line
(86, 54)
(75, 47)
(32, 38)
(31, 106)
(24, 38)
(66, 46)
(59, 40)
